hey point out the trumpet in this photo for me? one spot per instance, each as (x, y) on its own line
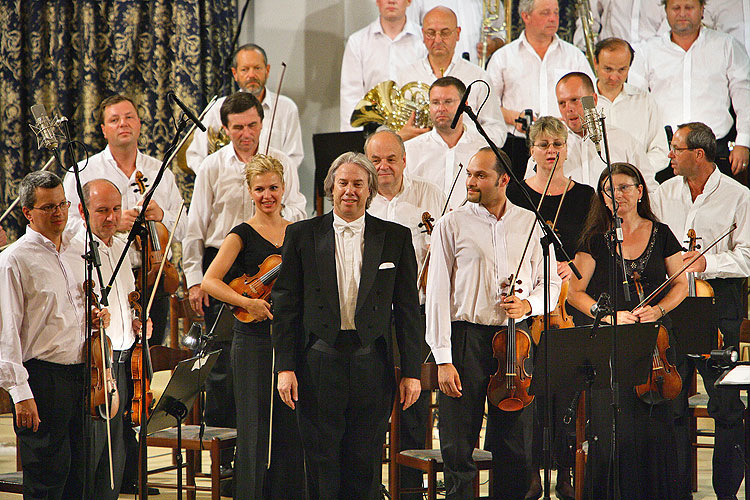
(491, 10)
(583, 11)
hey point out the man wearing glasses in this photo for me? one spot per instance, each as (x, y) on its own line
(584, 164)
(702, 198)
(440, 32)
(42, 338)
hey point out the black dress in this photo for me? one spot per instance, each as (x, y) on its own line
(646, 437)
(252, 371)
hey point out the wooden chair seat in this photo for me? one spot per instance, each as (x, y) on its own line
(11, 482)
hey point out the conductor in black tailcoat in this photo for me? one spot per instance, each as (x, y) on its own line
(342, 276)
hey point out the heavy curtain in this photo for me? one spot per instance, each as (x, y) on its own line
(71, 54)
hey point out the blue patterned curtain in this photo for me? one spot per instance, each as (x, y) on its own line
(70, 54)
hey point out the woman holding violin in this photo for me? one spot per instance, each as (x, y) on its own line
(247, 249)
(646, 439)
(564, 205)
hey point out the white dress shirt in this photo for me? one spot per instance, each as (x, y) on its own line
(371, 57)
(729, 16)
(120, 330)
(103, 166)
(350, 244)
(698, 84)
(429, 157)
(523, 80)
(470, 15)
(633, 20)
(584, 165)
(490, 116)
(41, 315)
(636, 112)
(472, 256)
(722, 202)
(221, 201)
(285, 137)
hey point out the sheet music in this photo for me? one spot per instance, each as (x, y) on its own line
(739, 375)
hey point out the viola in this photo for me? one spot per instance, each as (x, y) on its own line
(508, 387)
(257, 286)
(698, 287)
(142, 394)
(427, 224)
(158, 236)
(664, 382)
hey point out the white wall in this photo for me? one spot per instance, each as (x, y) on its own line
(309, 36)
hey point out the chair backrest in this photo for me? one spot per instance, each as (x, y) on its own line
(166, 358)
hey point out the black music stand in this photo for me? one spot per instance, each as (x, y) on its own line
(738, 377)
(179, 395)
(326, 148)
(690, 322)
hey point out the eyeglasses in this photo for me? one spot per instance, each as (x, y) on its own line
(545, 145)
(622, 189)
(50, 209)
(432, 34)
(675, 149)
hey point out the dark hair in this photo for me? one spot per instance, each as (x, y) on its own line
(449, 81)
(585, 79)
(239, 102)
(249, 46)
(86, 189)
(613, 43)
(38, 179)
(599, 219)
(502, 163)
(111, 101)
(700, 136)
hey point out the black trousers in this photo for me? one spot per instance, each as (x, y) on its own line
(508, 434)
(53, 457)
(99, 473)
(253, 379)
(724, 405)
(345, 398)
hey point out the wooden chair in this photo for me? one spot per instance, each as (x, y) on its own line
(181, 316)
(427, 460)
(10, 482)
(215, 439)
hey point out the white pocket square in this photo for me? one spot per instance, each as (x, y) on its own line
(387, 265)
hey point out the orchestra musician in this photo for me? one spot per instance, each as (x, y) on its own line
(565, 206)
(42, 339)
(646, 438)
(245, 248)
(344, 276)
(475, 249)
(703, 198)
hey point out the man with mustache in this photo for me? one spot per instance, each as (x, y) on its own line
(250, 70)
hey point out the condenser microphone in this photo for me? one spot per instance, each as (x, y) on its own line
(461, 106)
(186, 110)
(591, 125)
(45, 128)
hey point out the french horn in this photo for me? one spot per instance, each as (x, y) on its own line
(217, 138)
(388, 105)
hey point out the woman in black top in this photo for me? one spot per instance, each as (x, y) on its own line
(243, 250)
(646, 441)
(548, 137)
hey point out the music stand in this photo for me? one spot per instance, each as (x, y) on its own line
(690, 322)
(574, 350)
(738, 377)
(179, 395)
(326, 148)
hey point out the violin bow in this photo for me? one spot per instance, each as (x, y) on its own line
(690, 263)
(557, 214)
(15, 202)
(275, 104)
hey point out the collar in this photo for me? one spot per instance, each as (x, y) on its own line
(667, 38)
(525, 42)
(109, 159)
(37, 237)
(410, 28)
(481, 211)
(435, 136)
(356, 226)
(229, 155)
(712, 183)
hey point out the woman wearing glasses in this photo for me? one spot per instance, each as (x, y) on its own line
(646, 440)
(566, 205)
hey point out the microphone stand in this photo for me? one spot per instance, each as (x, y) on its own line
(549, 238)
(140, 230)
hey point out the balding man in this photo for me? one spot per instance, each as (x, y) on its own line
(441, 33)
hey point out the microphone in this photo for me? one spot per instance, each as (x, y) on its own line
(466, 56)
(461, 106)
(591, 126)
(45, 128)
(186, 110)
(571, 410)
(599, 309)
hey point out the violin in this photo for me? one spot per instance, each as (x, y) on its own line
(158, 236)
(664, 382)
(257, 286)
(508, 387)
(142, 394)
(105, 400)
(427, 224)
(698, 287)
